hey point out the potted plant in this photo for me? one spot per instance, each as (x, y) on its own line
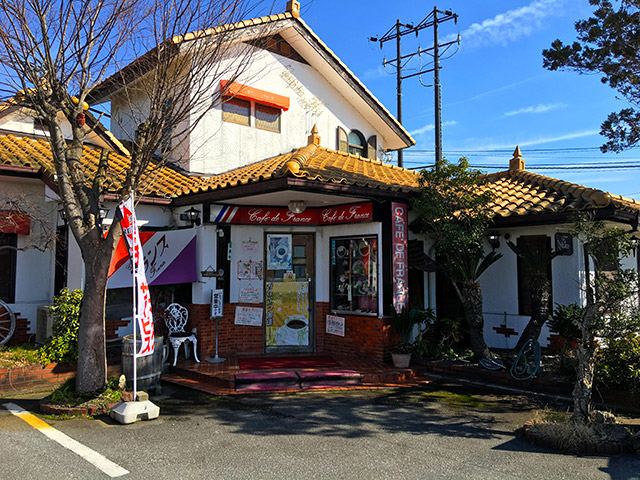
(404, 322)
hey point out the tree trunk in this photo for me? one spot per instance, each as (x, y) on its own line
(92, 357)
(582, 389)
(540, 292)
(470, 294)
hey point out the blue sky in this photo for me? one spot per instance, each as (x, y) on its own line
(495, 92)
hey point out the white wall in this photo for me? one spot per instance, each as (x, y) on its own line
(34, 269)
(500, 285)
(219, 146)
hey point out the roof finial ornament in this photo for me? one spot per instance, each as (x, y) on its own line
(293, 7)
(517, 162)
(314, 138)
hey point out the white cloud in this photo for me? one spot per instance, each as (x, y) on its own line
(511, 25)
(374, 73)
(430, 127)
(471, 144)
(541, 108)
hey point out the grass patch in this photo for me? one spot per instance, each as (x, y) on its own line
(456, 400)
(558, 431)
(18, 356)
(66, 396)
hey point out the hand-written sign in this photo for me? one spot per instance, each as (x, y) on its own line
(248, 316)
(335, 325)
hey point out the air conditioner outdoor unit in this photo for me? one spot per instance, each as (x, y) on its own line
(44, 324)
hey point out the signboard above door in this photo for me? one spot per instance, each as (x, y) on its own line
(353, 213)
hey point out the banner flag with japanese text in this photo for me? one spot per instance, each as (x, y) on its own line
(143, 299)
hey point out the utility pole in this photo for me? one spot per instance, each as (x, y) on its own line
(397, 32)
(399, 85)
(437, 101)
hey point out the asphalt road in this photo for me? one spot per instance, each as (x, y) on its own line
(418, 433)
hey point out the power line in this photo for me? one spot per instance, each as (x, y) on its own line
(546, 167)
(510, 150)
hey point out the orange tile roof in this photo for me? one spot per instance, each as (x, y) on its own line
(25, 151)
(519, 192)
(319, 164)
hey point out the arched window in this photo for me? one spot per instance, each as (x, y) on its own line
(357, 144)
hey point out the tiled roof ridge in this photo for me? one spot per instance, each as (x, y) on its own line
(599, 197)
(231, 26)
(298, 160)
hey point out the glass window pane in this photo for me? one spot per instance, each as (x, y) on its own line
(354, 276)
(268, 118)
(236, 111)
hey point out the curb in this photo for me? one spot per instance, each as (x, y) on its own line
(90, 411)
(604, 449)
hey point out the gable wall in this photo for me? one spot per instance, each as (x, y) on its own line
(219, 146)
(216, 146)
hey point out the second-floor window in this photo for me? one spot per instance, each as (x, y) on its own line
(236, 110)
(267, 118)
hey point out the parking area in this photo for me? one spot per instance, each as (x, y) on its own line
(432, 431)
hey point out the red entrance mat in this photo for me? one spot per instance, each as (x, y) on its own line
(307, 361)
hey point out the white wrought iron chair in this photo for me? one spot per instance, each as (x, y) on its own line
(175, 317)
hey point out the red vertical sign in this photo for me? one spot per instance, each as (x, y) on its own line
(399, 263)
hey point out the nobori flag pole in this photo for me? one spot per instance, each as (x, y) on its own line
(134, 272)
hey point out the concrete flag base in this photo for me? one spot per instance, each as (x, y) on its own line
(130, 412)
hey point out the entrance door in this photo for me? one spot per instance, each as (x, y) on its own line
(289, 292)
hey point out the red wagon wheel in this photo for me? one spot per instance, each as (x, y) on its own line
(7, 323)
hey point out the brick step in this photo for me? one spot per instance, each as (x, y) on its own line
(266, 381)
(222, 381)
(392, 377)
(328, 378)
(293, 380)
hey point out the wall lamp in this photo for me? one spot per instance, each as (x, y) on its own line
(297, 206)
(494, 239)
(192, 215)
(102, 214)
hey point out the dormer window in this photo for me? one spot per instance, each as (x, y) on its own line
(356, 143)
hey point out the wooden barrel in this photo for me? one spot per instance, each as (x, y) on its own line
(149, 367)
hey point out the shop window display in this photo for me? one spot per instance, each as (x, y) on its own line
(354, 275)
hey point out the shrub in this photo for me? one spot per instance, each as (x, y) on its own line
(62, 347)
(617, 365)
(565, 319)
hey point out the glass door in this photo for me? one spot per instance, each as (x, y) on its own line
(289, 292)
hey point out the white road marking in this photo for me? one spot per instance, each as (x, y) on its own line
(91, 456)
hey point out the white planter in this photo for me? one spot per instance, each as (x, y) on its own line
(401, 360)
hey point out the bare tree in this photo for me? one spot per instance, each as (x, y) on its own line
(61, 54)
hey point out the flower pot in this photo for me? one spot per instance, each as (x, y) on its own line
(401, 360)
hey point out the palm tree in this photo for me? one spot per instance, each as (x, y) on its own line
(538, 261)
